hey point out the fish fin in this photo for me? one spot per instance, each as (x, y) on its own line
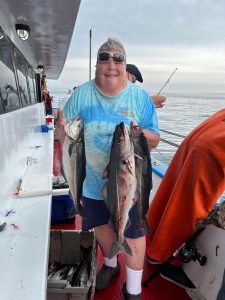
(128, 164)
(105, 174)
(138, 156)
(70, 149)
(104, 192)
(105, 195)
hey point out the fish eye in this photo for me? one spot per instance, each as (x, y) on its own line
(123, 162)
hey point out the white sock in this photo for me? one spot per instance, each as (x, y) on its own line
(112, 262)
(133, 284)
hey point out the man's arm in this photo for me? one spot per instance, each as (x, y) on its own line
(152, 138)
(60, 132)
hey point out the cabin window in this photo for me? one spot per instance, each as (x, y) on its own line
(38, 87)
(31, 84)
(8, 89)
(21, 67)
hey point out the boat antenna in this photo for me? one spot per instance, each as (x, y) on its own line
(90, 40)
(167, 81)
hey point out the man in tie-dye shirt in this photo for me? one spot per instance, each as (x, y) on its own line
(103, 103)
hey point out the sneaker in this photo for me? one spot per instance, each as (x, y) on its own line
(153, 261)
(128, 296)
(105, 275)
(177, 275)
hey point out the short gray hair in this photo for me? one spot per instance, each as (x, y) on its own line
(112, 44)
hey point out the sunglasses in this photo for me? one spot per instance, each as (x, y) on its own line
(117, 57)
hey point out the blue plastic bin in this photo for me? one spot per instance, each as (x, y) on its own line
(61, 208)
(44, 128)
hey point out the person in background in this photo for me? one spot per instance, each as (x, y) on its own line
(12, 98)
(46, 97)
(103, 103)
(189, 190)
(48, 103)
(133, 75)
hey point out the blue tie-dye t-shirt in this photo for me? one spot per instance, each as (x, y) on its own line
(101, 114)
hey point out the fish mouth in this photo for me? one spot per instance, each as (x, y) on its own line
(121, 132)
(124, 138)
(122, 127)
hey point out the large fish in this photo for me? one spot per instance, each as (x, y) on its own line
(143, 169)
(73, 161)
(119, 192)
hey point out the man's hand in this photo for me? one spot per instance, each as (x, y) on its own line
(158, 101)
(60, 132)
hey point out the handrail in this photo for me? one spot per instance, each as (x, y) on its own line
(173, 133)
(168, 142)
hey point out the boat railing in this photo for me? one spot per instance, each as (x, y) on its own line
(171, 133)
(169, 142)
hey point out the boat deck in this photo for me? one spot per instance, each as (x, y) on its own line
(158, 289)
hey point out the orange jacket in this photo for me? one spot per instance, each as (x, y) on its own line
(191, 186)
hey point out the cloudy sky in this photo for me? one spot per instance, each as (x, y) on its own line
(159, 36)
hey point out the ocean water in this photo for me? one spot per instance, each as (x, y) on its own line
(180, 114)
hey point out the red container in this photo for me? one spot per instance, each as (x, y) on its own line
(49, 119)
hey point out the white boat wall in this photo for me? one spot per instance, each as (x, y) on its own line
(24, 148)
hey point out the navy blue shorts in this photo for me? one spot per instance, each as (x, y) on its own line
(97, 213)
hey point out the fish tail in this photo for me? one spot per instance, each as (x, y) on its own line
(80, 209)
(77, 208)
(126, 248)
(117, 247)
(145, 225)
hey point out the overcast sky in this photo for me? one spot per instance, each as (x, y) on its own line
(159, 36)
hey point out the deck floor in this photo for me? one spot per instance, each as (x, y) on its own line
(158, 289)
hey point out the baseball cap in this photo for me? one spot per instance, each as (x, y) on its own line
(132, 69)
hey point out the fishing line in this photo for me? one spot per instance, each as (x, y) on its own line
(164, 158)
(167, 81)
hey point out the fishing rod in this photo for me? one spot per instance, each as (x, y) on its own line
(59, 107)
(167, 81)
(187, 251)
